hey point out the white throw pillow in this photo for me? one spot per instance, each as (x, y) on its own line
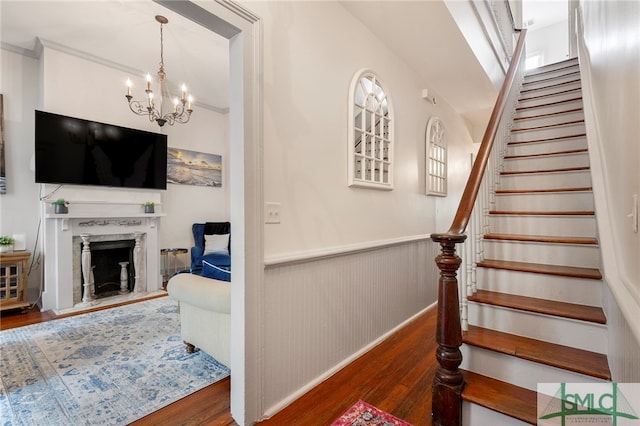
(216, 243)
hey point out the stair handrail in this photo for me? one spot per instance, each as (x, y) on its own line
(448, 381)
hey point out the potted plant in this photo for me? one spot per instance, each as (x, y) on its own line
(6, 243)
(149, 207)
(60, 206)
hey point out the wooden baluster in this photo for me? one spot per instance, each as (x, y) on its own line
(448, 381)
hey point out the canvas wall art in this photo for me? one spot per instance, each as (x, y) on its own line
(3, 173)
(193, 168)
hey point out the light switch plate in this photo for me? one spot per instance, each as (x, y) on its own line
(272, 213)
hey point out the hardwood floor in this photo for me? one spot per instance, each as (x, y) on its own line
(395, 376)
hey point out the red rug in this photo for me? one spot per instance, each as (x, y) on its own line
(363, 414)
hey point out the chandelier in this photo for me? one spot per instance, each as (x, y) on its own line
(180, 109)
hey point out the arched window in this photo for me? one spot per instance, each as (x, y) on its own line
(370, 133)
(436, 158)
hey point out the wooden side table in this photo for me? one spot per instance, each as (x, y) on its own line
(13, 279)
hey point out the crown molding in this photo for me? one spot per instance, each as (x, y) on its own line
(41, 44)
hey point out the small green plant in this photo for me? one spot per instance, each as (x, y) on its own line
(149, 204)
(61, 202)
(5, 240)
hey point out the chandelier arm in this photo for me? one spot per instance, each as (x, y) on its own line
(139, 108)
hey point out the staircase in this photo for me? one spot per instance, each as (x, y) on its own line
(537, 316)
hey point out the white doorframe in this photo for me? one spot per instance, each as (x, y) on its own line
(243, 29)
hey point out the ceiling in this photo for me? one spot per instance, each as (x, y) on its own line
(538, 14)
(125, 32)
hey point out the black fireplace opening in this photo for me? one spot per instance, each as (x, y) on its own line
(106, 259)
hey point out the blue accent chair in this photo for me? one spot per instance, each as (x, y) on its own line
(197, 252)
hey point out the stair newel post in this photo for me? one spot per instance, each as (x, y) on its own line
(448, 381)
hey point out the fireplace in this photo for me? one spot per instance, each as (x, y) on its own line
(112, 267)
(104, 226)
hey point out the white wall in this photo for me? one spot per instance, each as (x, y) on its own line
(307, 72)
(19, 207)
(67, 84)
(552, 42)
(332, 242)
(610, 62)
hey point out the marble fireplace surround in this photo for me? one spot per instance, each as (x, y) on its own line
(103, 222)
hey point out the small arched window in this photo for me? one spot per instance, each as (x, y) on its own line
(436, 158)
(370, 133)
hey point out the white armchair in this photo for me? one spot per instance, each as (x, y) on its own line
(205, 314)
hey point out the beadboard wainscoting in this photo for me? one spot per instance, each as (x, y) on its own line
(623, 344)
(322, 310)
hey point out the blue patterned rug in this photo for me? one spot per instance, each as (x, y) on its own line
(102, 368)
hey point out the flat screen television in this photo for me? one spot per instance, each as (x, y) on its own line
(74, 151)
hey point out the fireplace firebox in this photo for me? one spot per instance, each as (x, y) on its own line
(108, 261)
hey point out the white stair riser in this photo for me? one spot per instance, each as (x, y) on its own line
(578, 255)
(542, 83)
(551, 88)
(570, 226)
(524, 103)
(518, 371)
(543, 76)
(546, 120)
(477, 415)
(547, 146)
(546, 162)
(563, 331)
(574, 179)
(550, 108)
(542, 286)
(564, 201)
(546, 133)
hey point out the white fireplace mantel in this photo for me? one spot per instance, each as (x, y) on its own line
(99, 219)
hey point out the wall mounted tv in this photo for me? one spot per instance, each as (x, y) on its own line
(80, 152)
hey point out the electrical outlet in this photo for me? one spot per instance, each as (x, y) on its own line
(272, 213)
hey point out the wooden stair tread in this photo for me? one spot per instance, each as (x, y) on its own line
(577, 80)
(500, 396)
(547, 126)
(548, 95)
(571, 359)
(539, 268)
(560, 65)
(541, 306)
(547, 154)
(543, 213)
(542, 239)
(542, 191)
(549, 114)
(558, 170)
(557, 138)
(528, 79)
(565, 101)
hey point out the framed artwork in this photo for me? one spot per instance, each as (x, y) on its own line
(3, 172)
(193, 168)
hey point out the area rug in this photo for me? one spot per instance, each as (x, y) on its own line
(109, 367)
(363, 414)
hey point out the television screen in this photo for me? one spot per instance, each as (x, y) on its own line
(75, 151)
